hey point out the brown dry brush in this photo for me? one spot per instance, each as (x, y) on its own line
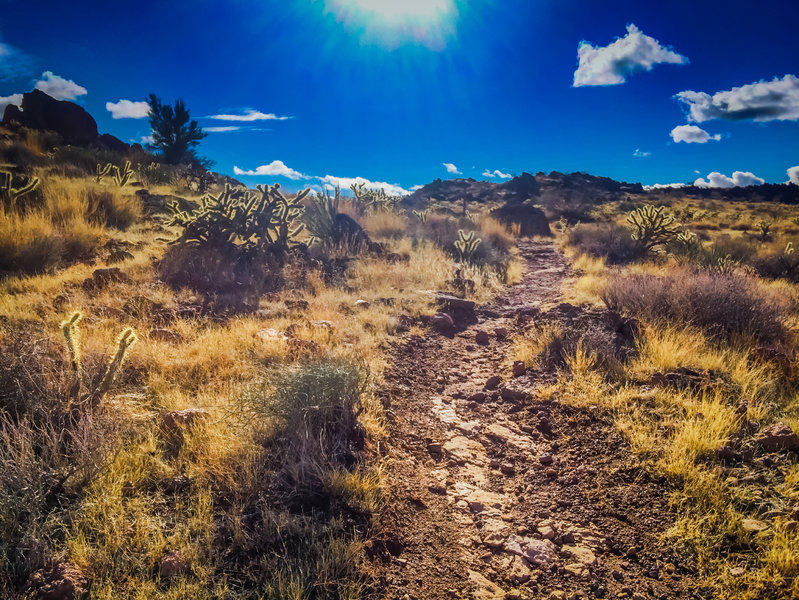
(55, 438)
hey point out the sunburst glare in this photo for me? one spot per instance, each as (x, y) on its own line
(392, 22)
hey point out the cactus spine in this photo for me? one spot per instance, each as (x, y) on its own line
(10, 194)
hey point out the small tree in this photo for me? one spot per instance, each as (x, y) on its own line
(175, 135)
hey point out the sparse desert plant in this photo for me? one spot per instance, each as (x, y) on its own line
(607, 240)
(652, 228)
(102, 171)
(122, 176)
(331, 229)
(725, 305)
(764, 228)
(466, 245)
(10, 194)
(422, 215)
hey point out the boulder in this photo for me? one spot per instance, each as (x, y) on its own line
(519, 368)
(481, 337)
(461, 310)
(40, 111)
(777, 437)
(530, 219)
(443, 323)
(347, 233)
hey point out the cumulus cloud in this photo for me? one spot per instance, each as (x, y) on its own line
(452, 169)
(611, 65)
(640, 153)
(496, 173)
(126, 109)
(221, 129)
(275, 168)
(59, 88)
(416, 187)
(147, 139)
(775, 100)
(691, 134)
(663, 186)
(344, 183)
(738, 179)
(249, 115)
(793, 175)
(12, 99)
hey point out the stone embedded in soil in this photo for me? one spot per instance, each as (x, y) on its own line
(546, 459)
(501, 333)
(481, 337)
(753, 525)
(546, 532)
(64, 581)
(536, 552)
(581, 554)
(483, 589)
(482, 501)
(493, 382)
(512, 395)
(463, 450)
(518, 368)
(443, 322)
(172, 564)
(777, 437)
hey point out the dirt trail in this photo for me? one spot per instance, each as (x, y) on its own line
(495, 494)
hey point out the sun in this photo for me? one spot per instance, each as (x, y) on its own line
(392, 22)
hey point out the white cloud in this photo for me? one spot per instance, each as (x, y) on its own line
(611, 65)
(249, 115)
(221, 129)
(59, 88)
(775, 100)
(344, 183)
(663, 186)
(6, 100)
(416, 187)
(147, 139)
(640, 153)
(275, 168)
(738, 179)
(793, 175)
(691, 134)
(496, 173)
(452, 169)
(126, 109)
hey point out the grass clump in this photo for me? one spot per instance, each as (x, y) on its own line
(724, 305)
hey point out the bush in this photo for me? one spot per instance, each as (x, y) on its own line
(608, 240)
(315, 408)
(110, 207)
(52, 445)
(725, 305)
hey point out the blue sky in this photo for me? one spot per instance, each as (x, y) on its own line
(392, 90)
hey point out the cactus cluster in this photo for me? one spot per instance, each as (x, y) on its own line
(422, 215)
(652, 228)
(121, 176)
(10, 194)
(69, 327)
(367, 200)
(239, 219)
(466, 244)
(765, 230)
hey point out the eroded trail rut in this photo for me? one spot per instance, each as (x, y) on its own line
(496, 494)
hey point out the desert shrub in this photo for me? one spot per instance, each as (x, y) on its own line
(775, 265)
(315, 410)
(85, 159)
(652, 228)
(725, 305)
(233, 243)
(331, 229)
(607, 240)
(19, 155)
(385, 225)
(110, 207)
(154, 173)
(55, 438)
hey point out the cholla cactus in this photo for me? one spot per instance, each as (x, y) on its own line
(652, 227)
(102, 171)
(466, 244)
(122, 176)
(10, 194)
(69, 327)
(372, 199)
(422, 215)
(125, 340)
(239, 219)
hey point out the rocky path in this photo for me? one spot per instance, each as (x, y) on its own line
(495, 494)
